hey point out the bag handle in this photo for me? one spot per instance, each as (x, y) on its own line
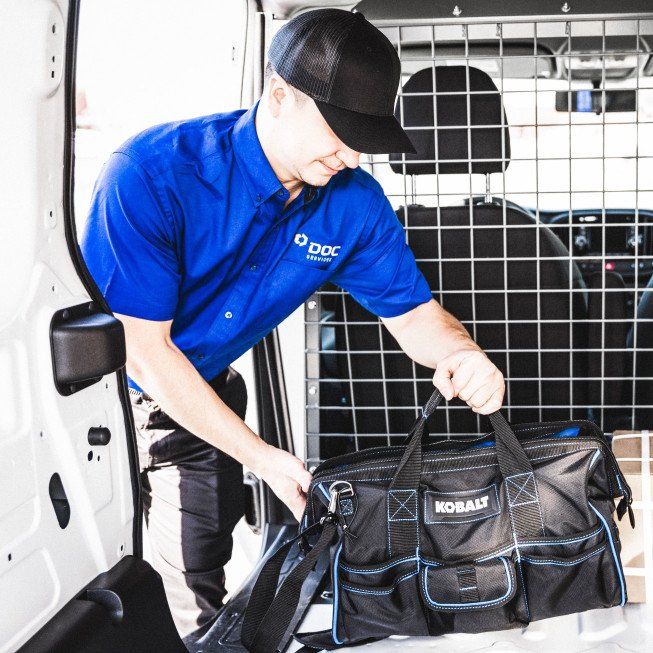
(514, 465)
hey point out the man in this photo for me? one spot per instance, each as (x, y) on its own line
(202, 236)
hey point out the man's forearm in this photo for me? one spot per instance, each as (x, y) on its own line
(429, 333)
(169, 377)
(435, 338)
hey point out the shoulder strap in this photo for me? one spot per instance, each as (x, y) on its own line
(269, 612)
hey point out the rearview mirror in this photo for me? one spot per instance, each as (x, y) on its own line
(596, 101)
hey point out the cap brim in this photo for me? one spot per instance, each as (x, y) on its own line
(364, 132)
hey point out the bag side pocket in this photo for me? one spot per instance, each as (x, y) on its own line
(557, 586)
(563, 584)
(377, 601)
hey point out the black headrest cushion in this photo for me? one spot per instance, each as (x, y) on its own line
(485, 108)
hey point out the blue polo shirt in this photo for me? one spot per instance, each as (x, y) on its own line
(187, 223)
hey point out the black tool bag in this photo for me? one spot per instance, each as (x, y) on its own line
(464, 535)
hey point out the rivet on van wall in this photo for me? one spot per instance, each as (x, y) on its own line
(51, 219)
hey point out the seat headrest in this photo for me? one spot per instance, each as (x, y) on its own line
(485, 108)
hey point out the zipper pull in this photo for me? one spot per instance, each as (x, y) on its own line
(625, 506)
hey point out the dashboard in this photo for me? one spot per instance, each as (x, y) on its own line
(619, 240)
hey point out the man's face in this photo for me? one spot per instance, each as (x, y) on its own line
(307, 149)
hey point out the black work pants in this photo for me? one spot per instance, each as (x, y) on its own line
(193, 497)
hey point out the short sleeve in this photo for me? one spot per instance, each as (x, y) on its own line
(382, 274)
(129, 245)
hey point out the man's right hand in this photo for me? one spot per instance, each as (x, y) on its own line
(164, 372)
(287, 478)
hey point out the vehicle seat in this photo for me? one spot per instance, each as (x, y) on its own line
(507, 277)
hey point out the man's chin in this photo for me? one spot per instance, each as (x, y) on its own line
(317, 180)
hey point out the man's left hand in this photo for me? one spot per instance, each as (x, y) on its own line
(472, 376)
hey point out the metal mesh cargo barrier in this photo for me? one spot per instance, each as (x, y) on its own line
(529, 208)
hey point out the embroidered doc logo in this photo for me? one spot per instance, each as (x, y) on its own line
(317, 251)
(461, 506)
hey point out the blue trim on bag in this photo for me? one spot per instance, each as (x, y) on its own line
(488, 443)
(614, 553)
(619, 483)
(570, 432)
(595, 457)
(334, 619)
(557, 542)
(561, 563)
(467, 606)
(427, 563)
(324, 492)
(380, 569)
(362, 590)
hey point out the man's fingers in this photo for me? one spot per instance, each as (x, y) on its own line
(298, 506)
(453, 373)
(483, 404)
(443, 383)
(471, 376)
(480, 383)
(304, 480)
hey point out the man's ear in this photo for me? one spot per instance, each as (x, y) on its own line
(277, 93)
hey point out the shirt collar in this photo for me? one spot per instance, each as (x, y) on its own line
(259, 176)
(260, 180)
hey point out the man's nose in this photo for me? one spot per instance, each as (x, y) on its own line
(348, 156)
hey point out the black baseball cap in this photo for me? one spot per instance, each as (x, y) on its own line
(350, 69)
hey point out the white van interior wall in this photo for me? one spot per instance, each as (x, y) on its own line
(66, 510)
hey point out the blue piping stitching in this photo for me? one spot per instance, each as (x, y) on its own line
(594, 459)
(334, 619)
(346, 507)
(454, 521)
(614, 553)
(569, 540)
(428, 563)
(380, 569)
(540, 543)
(464, 492)
(560, 563)
(402, 505)
(337, 475)
(536, 499)
(324, 492)
(619, 483)
(521, 488)
(360, 590)
(467, 606)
